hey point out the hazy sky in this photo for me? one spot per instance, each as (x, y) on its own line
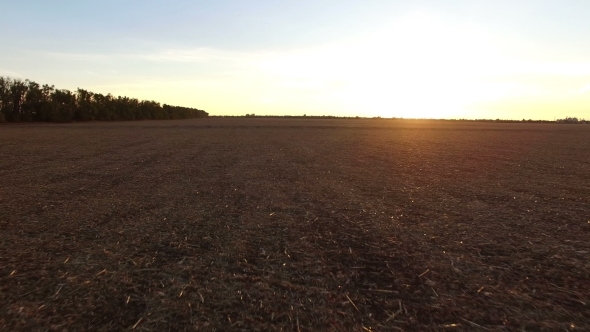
(454, 59)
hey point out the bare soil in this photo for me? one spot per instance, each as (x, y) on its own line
(295, 225)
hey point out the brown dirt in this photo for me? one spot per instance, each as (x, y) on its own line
(296, 225)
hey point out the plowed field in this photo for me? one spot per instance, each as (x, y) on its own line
(295, 225)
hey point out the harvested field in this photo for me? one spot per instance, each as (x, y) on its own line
(295, 225)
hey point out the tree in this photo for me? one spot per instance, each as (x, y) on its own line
(85, 107)
(28, 101)
(18, 89)
(33, 103)
(5, 97)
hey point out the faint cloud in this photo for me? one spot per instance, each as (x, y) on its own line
(85, 56)
(197, 55)
(201, 54)
(6, 72)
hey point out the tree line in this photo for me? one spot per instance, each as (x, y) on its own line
(27, 101)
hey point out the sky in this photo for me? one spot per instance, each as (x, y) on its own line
(414, 59)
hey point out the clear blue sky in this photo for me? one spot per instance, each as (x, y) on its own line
(471, 59)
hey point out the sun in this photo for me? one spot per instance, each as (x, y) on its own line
(419, 67)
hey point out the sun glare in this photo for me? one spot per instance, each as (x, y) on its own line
(417, 67)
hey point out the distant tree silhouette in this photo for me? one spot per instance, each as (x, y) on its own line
(571, 120)
(27, 101)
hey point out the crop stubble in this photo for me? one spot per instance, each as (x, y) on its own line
(276, 224)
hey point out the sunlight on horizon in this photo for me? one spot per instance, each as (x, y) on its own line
(416, 67)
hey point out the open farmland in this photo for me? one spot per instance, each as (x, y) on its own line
(296, 225)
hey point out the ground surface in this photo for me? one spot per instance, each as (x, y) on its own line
(304, 225)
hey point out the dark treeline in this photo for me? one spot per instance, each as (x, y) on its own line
(27, 101)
